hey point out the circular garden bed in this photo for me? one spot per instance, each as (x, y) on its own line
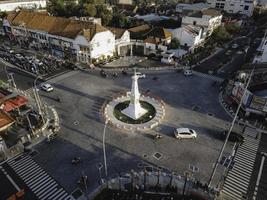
(150, 114)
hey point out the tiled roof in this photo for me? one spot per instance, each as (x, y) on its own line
(159, 32)
(141, 28)
(5, 120)
(56, 25)
(152, 41)
(211, 12)
(118, 32)
(191, 29)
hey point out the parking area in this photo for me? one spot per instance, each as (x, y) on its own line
(190, 102)
(28, 61)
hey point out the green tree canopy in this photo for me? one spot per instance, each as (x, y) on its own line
(220, 34)
(103, 13)
(232, 28)
(175, 43)
(89, 10)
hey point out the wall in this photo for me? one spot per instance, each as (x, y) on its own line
(234, 6)
(103, 44)
(12, 5)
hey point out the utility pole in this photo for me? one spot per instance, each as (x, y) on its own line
(230, 130)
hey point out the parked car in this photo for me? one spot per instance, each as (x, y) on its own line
(234, 46)
(181, 133)
(19, 56)
(46, 87)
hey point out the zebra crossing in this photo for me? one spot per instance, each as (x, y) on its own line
(38, 181)
(208, 76)
(237, 181)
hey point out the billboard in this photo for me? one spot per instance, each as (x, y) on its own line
(238, 91)
(259, 103)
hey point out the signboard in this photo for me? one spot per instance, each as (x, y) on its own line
(238, 91)
(258, 103)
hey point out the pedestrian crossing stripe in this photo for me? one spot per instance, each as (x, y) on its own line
(37, 180)
(237, 180)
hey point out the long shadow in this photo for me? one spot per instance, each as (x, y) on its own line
(96, 117)
(76, 92)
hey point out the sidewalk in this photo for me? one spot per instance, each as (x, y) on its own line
(160, 183)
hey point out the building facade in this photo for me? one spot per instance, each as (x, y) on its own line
(261, 56)
(209, 19)
(190, 36)
(64, 37)
(244, 7)
(28, 4)
(123, 43)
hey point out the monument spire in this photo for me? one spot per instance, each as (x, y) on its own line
(135, 110)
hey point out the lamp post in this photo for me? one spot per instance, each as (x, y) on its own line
(99, 167)
(12, 79)
(104, 149)
(37, 98)
(230, 130)
(185, 182)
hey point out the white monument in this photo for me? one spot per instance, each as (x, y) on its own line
(135, 110)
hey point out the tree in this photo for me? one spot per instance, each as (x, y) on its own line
(89, 9)
(56, 7)
(175, 43)
(103, 13)
(3, 14)
(232, 28)
(220, 34)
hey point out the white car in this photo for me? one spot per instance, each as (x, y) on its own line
(18, 56)
(181, 133)
(234, 46)
(188, 72)
(46, 87)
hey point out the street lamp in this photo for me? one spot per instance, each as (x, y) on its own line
(37, 98)
(230, 130)
(99, 167)
(104, 148)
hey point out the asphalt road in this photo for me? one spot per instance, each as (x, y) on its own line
(82, 95)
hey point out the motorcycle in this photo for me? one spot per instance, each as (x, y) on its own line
(76, 160)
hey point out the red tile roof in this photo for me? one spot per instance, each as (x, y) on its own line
(55, 25)
(5, 120)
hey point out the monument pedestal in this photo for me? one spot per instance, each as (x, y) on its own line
(134, 111)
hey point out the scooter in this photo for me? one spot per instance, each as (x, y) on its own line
(76, 160)
(158, 136)
(82, 180)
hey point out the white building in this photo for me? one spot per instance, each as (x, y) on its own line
(189, 36)
(261, 57)
(244, 7)
(209, 19)
(125, 2)
(122, 40)
(29, 4)
(64, 37)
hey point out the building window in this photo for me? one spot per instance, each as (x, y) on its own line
(194, 23)
(241, 5)
(246, 7)
(109, 40)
